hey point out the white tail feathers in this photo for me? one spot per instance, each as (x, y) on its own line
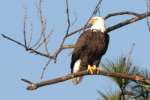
(76, 80)
(76, 69)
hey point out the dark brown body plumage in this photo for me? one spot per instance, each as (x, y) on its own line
(89, 48)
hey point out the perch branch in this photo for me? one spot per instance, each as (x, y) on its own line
(33, 86)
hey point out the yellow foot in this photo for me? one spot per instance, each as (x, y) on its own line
(92, 69)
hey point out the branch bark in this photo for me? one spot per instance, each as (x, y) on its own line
(34, 86)
(121, 13)
(128, 21)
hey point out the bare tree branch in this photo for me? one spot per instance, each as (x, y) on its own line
(44, 68)
(93, 13)
(68, 46)
(120, 13)
(67, 31)
(15, 41)
(24, 32)
(39, 8)
(148, 9)
(113, 15)
(128, 21)
(128, 57)
(97, 7)
(109, 29)
(31, 50)
(33, 86)
(43, 27)
(30, 39)
(74, 32)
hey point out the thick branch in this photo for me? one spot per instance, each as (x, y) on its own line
(34, 86)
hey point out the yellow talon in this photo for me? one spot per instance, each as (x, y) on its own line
(92, 69)
(89, 69)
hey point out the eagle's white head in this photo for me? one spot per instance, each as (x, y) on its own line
(98, 23)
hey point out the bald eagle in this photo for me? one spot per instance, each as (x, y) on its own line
(90, 47)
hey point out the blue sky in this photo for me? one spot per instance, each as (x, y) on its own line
(16, 63)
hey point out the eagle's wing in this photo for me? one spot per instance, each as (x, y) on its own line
(80, 46)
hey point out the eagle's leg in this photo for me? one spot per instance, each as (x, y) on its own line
(92, 69)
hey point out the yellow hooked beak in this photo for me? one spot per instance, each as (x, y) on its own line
(92, 22)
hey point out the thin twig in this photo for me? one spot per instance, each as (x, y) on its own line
(24, 31)
(74, 32)
(74, 21)
(121, 13)
(67, 31)
(68, 46)
(13, 40)
(43, 26)
(30, 39)
(93, 14)
(39, 8)
(46, 38)
(46, 44)
(128, 57)
(122, 94)
(147, 18)
(44, 68)
(49, 60)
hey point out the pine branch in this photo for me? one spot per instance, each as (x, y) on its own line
(33, 86)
